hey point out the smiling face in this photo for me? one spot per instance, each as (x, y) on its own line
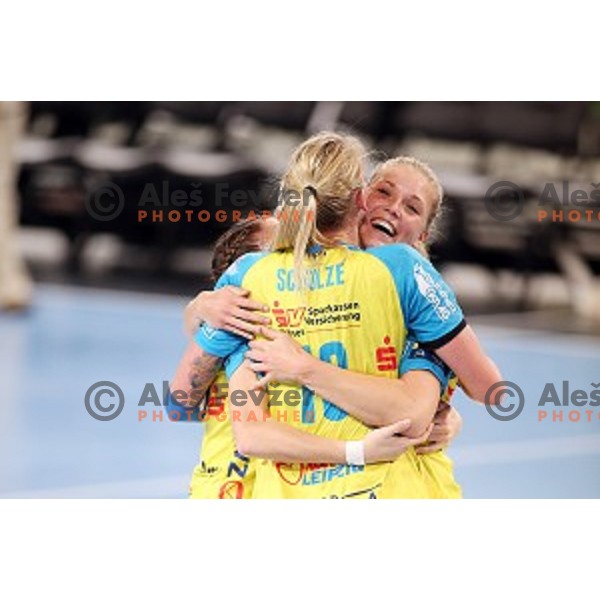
(399, 201)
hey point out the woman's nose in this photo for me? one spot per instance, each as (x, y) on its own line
(395, 208)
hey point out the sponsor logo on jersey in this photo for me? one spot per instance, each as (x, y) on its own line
(231, 490)
(434, 292)
(386, 356)
(288, 317)
(314, 473)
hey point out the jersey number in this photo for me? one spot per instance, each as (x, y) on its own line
(327, 352)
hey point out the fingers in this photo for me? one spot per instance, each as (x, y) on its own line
(414, 441)
(238, 291)
(238, 331)
(249, 316)
(245, 309)
(262, 346)
(265, 346)
(439, 433)
(397, 428)
(248, 303)
(268, 333)
(239, 302)
(439, 428)
(240, 327)
(429, 448)
(262, 383)
(257, 350)
(251, 329)
(442, 409)
(423, 438)
(242, 299)
(255, 364)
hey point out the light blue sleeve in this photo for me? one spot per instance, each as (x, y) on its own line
(178, 413)
(216, 341)
(431, 312)
(416, 358)
(234, 360)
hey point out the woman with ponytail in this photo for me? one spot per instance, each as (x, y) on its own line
(348, 307)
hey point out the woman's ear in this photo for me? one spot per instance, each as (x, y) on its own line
(423, 237)
(360, 199)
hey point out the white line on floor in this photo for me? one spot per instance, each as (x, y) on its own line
(525, 450)
(162, 487)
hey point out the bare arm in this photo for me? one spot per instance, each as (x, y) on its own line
(475, 370)
(259, 436)
(195, 373)
(377, 400)
(447, 424)
(229, 308)
(192, 318)
(414, 396)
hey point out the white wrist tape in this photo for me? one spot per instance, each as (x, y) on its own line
(355, 453)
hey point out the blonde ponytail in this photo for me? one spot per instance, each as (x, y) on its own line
(316, 195)
(297, 229)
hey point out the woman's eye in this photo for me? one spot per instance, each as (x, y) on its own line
(384, 191)
(414, 210)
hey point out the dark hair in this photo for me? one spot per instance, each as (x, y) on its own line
(238, 240)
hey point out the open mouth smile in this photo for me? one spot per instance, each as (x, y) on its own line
(385, 227)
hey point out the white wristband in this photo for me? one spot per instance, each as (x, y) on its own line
(355, 453)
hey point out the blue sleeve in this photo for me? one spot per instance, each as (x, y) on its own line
(216, 341)
(416, 358)
(431, 311)
(233, 362)
(179, 413)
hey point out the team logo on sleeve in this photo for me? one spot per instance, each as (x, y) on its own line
(434, 292)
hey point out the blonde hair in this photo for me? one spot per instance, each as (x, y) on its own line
(316, 195)
(429, 174)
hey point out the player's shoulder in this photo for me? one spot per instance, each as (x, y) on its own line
(396, 254)
(244, 263)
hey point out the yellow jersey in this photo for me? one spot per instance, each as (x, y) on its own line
(223, 473)
(359, 309)
(436, 468)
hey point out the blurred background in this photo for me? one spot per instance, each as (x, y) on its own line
(92, 290)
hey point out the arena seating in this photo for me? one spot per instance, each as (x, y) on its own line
(74, 149)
